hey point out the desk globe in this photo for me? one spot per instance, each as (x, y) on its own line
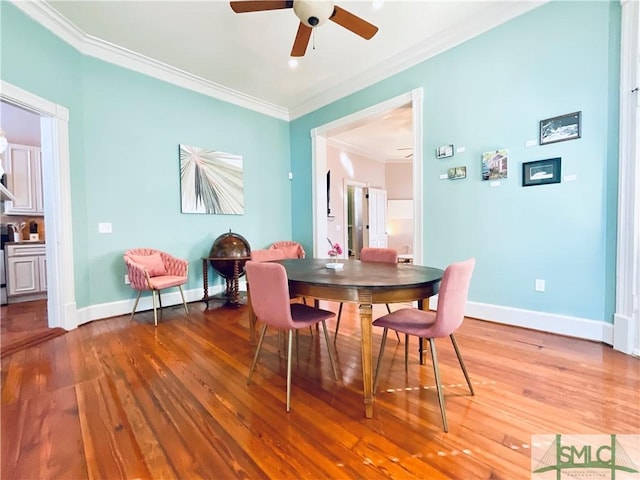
(228, 254)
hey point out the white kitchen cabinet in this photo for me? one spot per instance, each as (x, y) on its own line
(23, 166)
(26, 272)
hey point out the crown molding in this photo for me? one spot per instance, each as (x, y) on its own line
(498, 15)
(52, 20)
(57, 24)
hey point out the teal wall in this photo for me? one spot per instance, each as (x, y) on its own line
(124, 130)
(490, 93)
(487, 93)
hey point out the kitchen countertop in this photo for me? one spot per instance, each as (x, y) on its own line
(25, 242)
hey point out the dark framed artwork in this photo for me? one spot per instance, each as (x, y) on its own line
(541, 172)
(560, 129)
(444, 151)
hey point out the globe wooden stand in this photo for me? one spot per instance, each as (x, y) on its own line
(232, 293)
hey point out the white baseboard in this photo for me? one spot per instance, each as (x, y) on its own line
(123, 307)
(543, 321)
(517, 317)
(625, 333)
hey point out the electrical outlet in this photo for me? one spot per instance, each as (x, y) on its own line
(539, 285)
(126, 280)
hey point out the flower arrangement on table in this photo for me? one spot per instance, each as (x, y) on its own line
(335, 250)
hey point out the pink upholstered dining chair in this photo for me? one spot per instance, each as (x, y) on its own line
(444, 322)
(267, 255)
(290, 249)
(155, 270)
(373, 255)
(270, 302)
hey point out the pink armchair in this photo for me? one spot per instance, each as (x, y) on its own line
(155, 270)
(290, 249)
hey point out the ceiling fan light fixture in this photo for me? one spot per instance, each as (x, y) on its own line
(313, 13)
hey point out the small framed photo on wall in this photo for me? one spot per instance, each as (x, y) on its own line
(541, 172)
(444, 151)
(560, 129)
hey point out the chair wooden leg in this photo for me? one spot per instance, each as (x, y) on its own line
(330, 350)
(436, 372)
(406, 352)
(289, 371)
(338, 322)
(255, 356)
(135, 305)
(155, 312)
(186, 310)
(464, 369)
(382, 345)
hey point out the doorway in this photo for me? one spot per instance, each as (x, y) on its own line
(54, 131)
(320, 138)
(354, 218)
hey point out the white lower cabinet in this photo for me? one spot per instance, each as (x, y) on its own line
(26, 272)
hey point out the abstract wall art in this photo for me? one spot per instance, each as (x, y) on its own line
(211, 181)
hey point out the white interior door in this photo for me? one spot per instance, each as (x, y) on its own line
(374, 204)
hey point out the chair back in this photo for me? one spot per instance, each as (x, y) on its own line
(378, 255)
(452, 297)
(290, 249)
(267, 255)
(269, 293)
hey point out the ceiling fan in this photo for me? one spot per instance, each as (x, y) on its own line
(312, 13)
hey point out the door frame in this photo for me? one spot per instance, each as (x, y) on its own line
(54, 127)
(319, 137)
(347, 182)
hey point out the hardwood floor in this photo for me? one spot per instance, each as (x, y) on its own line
(20, 319)
(120, 399)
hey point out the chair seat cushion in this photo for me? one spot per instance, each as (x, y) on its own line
(153, 264)
(411, 321)
(166, 281)
(304, 315)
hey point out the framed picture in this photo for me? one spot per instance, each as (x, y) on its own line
(559, 129)
(444, 151)
(494, 164)
(541, 172)
(211, 182)
(457, 173)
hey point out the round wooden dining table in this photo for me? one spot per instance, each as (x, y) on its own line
(366, 284)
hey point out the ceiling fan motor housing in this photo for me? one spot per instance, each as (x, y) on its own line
(313, 13)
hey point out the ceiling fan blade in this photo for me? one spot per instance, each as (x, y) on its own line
(354, 23)
(260, 5)
(301, 41)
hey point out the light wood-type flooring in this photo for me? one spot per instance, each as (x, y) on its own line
(122, 399)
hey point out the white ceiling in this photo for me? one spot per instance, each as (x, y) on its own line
(247, 54)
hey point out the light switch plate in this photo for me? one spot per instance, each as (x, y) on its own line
(104, 227)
